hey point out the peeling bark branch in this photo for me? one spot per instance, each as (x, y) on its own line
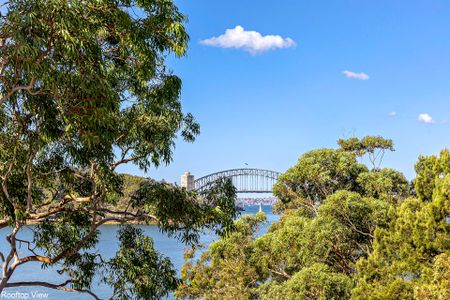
(78, 199)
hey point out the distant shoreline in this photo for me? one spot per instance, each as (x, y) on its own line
(32, 222)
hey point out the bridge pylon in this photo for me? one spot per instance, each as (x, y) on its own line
(188, 181)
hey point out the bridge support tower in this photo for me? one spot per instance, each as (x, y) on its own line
(188, 181)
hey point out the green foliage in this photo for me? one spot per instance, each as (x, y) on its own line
(323, 251)
(318, 174)
(214, 209)
(138, 271)
(409, 256)
(279, 252)
(337, 236)
(315, 282)
(56, 237)
(84, 89)
(387, 184)
(368, 144)
(70, 237)
(281, 261)
(224, 271)
(130, 184)
(75, 91)
(435, 283)
(429, 170)
(373, 146)
(344, 228)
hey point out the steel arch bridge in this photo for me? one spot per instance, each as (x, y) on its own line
(245, 180)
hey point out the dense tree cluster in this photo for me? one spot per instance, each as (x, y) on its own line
(345, 232)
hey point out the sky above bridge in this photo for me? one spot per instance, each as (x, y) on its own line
(270, 80)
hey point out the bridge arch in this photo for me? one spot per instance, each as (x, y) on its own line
(246, 180)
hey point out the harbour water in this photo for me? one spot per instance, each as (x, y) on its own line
(167, 246)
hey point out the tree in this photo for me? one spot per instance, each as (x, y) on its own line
(429, 170)
(224, 271)
(374, 146)
(84, 89)
(135, 257)
(410, 257)
(315, 282)
(331, 210)
(318, 174)
(299, 257)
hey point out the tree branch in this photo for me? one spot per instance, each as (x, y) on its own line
(78, 199)
(282, 274)
(19, 88)
(128, 214)
(349, 222)
(125, 160)
(61, 287)
(28, 243)
(72, 250)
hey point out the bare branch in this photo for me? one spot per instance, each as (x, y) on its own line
(40, 216)
(19, 88)
(28, 243)
(29, 185)
(125, 160)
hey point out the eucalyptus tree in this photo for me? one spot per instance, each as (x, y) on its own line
(84, 89)
(331, 210)
(317, 175)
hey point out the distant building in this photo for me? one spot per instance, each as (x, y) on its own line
(187, 181)
(256, 201)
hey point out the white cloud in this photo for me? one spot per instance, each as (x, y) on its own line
(392, 114)
(425, 118)
(251, 41)
(353, 75)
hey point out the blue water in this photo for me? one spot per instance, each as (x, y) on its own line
(167, 246)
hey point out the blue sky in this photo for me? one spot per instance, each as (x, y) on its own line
(266, 108)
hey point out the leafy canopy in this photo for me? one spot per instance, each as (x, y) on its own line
(369, 237)
(318, 174)
(331, 208)
(84, 89)
(374, 146)
(410, 258)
